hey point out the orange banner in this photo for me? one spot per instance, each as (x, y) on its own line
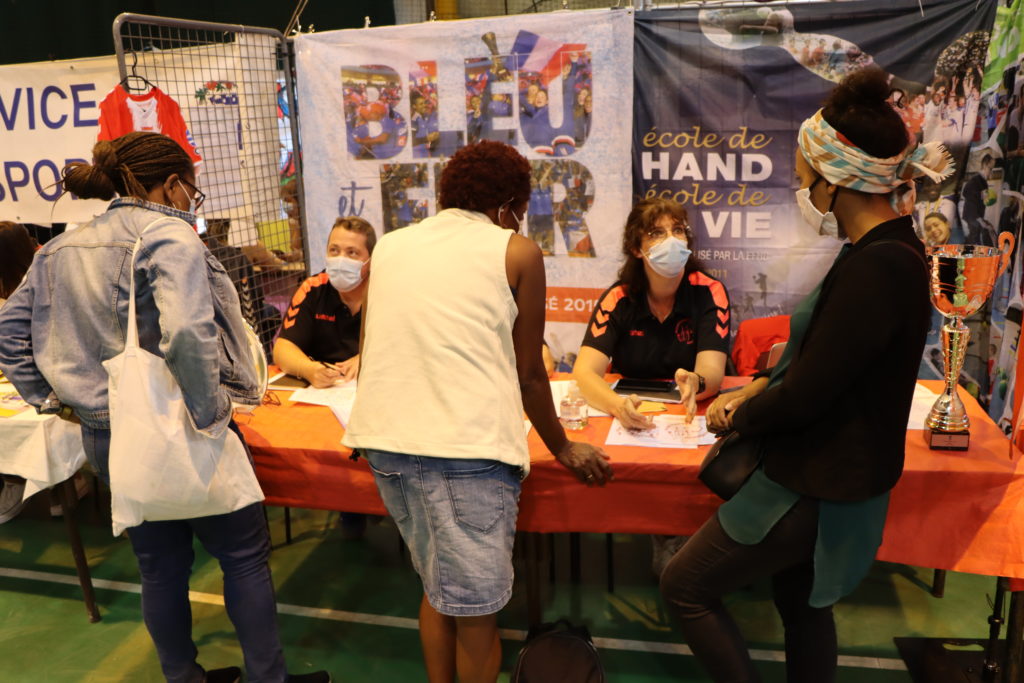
(571, 304)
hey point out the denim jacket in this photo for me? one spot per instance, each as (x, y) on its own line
(70, 314)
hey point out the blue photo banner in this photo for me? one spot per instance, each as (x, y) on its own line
(719, 94)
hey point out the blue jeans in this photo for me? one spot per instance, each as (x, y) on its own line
(241, 543)
(458, 519)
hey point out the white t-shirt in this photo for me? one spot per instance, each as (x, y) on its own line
(437, 371)
(144, 114)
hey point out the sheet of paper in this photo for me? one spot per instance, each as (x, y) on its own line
(325, 397)
(924, 398)
(651, 407)
(559, 389)
(338, 398)
(669, 431)
(343, 412)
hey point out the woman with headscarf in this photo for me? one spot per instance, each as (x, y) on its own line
(832, 417)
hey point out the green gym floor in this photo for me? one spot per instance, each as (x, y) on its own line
(350, 607)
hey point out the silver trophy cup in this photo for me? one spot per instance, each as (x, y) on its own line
(962, 277)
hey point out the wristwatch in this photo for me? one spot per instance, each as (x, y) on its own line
(701, 384)
(50, 406)
(53, 406)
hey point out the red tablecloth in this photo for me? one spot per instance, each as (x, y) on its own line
(959, 511)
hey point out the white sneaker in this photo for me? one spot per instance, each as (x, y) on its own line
(10, 500)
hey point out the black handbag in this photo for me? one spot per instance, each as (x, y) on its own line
(729, 463)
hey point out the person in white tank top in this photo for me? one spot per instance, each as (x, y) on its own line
(452, 334)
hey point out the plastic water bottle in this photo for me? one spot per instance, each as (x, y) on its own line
(573, 410)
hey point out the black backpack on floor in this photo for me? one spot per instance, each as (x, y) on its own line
(558, 653)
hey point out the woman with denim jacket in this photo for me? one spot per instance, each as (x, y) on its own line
(70, 315)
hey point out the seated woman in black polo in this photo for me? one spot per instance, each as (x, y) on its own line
(664, 318)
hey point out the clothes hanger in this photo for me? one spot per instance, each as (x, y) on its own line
(133, 86)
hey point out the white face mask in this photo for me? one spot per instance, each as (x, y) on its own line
(191, 199)
(824, 223)
(518, 220)
(668, 257)
(344, 273)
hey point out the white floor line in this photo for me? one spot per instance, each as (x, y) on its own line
(849, 661)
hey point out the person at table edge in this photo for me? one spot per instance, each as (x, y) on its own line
(319, 339)
(831, 420)
(454, 324)
(665, 317)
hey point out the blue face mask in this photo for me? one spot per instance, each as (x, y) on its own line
(668, 257)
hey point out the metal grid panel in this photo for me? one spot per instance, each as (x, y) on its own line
(233, 85)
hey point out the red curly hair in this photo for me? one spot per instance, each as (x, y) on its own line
(485, 176)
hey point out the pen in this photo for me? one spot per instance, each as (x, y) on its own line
(326, 365)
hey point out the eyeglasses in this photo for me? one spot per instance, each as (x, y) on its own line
(678, 231)
(198, 195)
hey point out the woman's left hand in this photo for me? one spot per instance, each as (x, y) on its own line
(688, 382)
(719, 413)
(349, 369)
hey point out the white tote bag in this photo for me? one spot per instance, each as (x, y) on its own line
(161, 467)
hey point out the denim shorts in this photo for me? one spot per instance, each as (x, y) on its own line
(458, 518)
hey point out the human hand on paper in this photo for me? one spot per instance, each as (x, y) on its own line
(323, 375)
(589, 463)
(627, 412)
(349, 369)
(688, 382)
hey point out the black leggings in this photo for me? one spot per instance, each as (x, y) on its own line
(711, 565)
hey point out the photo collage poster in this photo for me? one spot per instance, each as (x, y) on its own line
(383, 108)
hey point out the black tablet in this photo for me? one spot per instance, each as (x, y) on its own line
(664, 390)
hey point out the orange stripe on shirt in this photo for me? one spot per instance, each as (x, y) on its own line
(306, 287)
(718, 294)
(605, 308)
(318, 280)
(612, 298)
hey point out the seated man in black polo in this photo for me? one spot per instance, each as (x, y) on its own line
(319, 339)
